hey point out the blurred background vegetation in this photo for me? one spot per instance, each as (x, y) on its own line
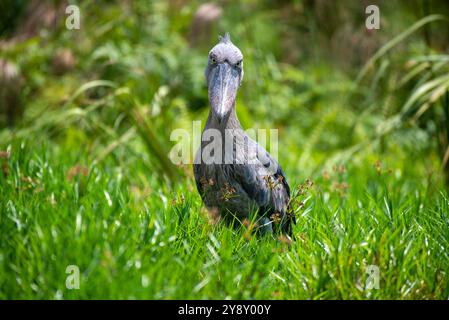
(114, 89)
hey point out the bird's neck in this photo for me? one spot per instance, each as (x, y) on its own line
(227, 128)
(231, 122)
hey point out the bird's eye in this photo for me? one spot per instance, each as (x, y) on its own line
(239, 64)
(213, 59)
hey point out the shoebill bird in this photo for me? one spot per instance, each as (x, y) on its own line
(234, 175)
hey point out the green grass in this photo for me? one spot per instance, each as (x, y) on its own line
(133, 238)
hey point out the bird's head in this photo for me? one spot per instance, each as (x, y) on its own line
(224, 73)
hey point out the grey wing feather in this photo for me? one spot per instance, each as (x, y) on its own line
(268, 188)
(197, 175)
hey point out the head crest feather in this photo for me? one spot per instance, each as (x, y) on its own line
(225, 39)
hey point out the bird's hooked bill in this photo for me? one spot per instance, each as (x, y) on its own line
(223, 85)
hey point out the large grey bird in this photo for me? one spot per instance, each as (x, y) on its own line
(234, 175)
